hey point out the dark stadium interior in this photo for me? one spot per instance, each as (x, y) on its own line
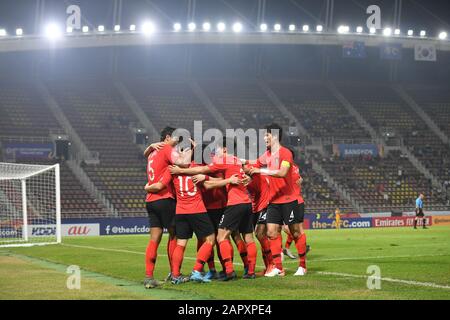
(82, 81)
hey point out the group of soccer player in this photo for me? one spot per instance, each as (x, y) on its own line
(222, 200)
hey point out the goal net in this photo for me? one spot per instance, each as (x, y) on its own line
(30, 206)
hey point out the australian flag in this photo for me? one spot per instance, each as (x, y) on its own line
(354, 49)
(391, 51)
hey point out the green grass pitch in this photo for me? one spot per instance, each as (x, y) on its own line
(414, 264)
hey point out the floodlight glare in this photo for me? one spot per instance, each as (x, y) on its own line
(85, 29)
(305, 28)
(19, 32)
(319, 28)
(292, 27)
(206, 26)
(191, 26)
(263, 27)
(177, 27)
(387, 32)
(69, 30)
(148, 28)
(52, 31)
(359, 29)
(443, 35)
(221, 26)
(101, 28)
(343, 29)
(133, 27)
(397, 32)
(237, 27)
(373, 30)
(423, 33)
(117, 28)
(2, 32)
(410, 33)
(277, 27)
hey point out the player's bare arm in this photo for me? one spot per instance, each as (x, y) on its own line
(280, 173)
(189, 171)
(154, 187)
(219, 183)
(153, 147)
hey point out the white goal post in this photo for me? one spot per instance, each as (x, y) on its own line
(30, 204)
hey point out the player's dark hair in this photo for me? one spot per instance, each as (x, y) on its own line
(228, 142)
(275, 130)
(167, 131)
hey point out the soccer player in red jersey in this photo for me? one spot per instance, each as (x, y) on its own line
(238, 213)
(190, 217)
(283, 207)
(161, 205)
(259, 193)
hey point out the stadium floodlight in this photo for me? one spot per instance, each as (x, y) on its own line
(319, 28)
(372, 30)
(359, 29)
(443, 35)
(263, 27)
(117, 28)
(410, 33)
(292, 27)
(176, 26)
(19, 32)
(343, 29)
(206, 26)
(133, 27)
(397, 32)
(305, 28)
(148, 28)
(191, 26)
(387, 32)
(69, 30)
(237, 27)
(277, 27)
(3, 33)
(85, 29)
(221, 26)
(52, 31)
(423, 33)
(101, 28)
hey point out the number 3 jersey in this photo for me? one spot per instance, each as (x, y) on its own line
(189, 195)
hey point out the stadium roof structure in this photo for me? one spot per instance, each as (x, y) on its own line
(125, 39)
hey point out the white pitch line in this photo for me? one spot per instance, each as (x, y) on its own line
(414, 283)
(378, 257)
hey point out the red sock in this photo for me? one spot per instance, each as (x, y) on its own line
(226, 250)
(300, 244)
(288, 241)
(171, 245)
(177, 260)
(211, 263)
(219, 255)
(243, 252)
(203, 255)
(266, 253)
(252, 253)
(275, 249)
(199, 245)
(150, 258)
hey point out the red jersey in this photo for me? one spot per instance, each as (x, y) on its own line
(259, 192)
(215, 198)
(156, 167)
(230, 165)
(189, 196)
(282, 189)
(295, 177)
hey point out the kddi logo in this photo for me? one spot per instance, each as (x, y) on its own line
(78, 231)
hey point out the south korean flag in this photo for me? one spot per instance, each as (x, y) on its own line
(425, 52)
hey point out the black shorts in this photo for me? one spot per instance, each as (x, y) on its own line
(283, 213)
(238, 218)
(419, 212)
(301, 209)
(215, 215)
(259, 217)
(161, 213)
(188, 224)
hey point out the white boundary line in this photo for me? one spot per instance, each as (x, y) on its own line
(347, 275)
